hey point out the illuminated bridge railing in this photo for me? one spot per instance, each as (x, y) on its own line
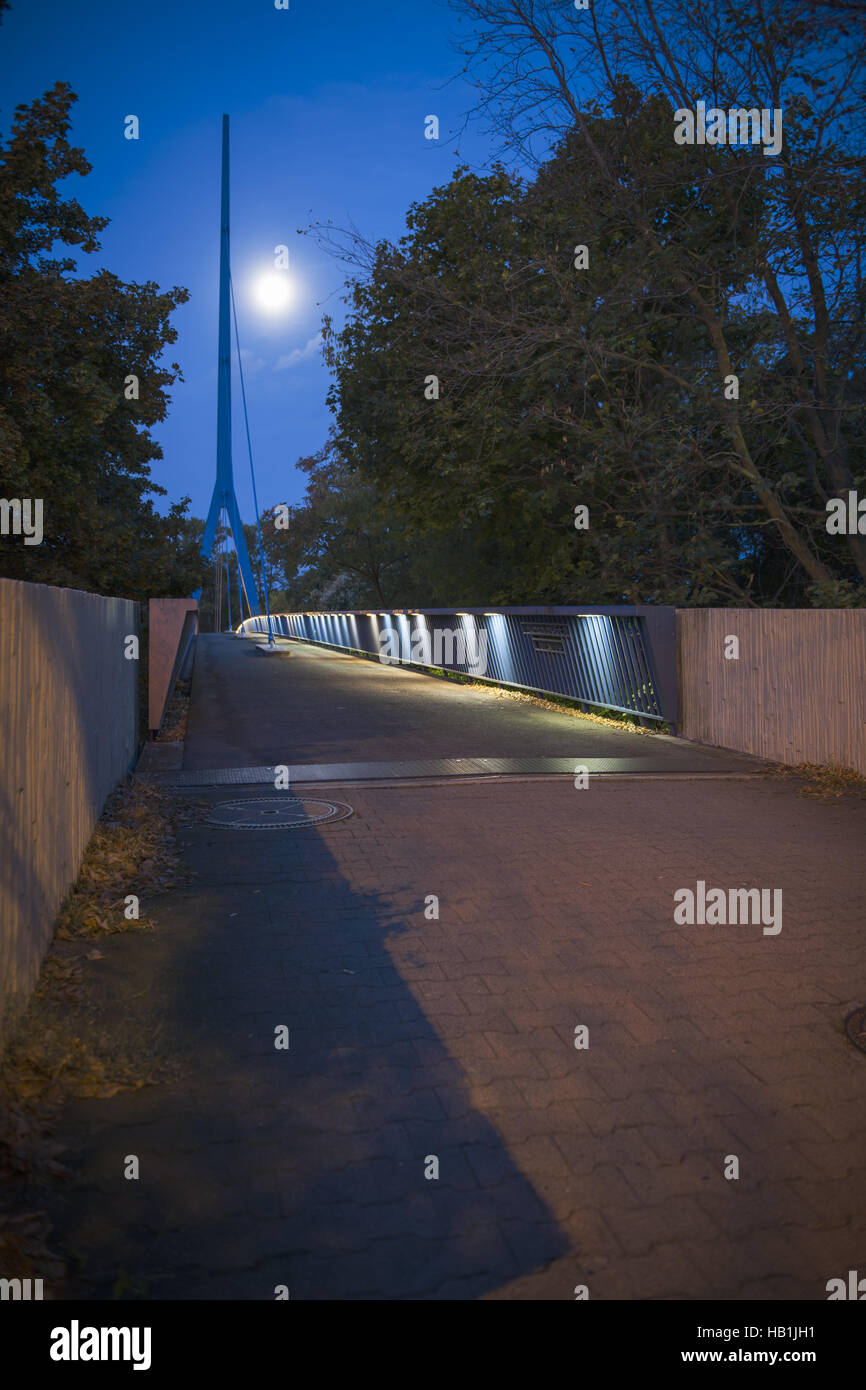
(621, 659)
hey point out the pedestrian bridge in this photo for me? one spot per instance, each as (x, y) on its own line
(331, 715)
(621, 659)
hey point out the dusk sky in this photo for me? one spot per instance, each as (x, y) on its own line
(327, 107)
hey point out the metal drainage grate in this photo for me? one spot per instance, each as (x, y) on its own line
(855, 1027)
(276, 813)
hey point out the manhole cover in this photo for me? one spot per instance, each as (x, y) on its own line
(276, 813)
(855, 1027)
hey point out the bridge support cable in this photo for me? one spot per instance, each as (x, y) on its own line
(240, 601)
(252, 469)
(228, 575)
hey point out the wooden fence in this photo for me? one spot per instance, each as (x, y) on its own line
(795, 692)
(68, 734)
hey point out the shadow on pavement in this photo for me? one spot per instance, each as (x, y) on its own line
(302, 1167)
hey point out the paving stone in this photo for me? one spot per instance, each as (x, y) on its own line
(455, 1039)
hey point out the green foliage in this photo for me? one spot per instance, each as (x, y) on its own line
(339, 548)
(68, 434)
(605, 386)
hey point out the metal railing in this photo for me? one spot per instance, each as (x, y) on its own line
(607, 658)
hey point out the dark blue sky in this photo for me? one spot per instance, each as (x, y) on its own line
(327, 104)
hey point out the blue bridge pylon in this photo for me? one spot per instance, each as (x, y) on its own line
(224, 487)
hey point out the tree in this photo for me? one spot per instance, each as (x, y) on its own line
(669, 335)
(338, 548)
(545, 70)
(523, 420)
(81, 383)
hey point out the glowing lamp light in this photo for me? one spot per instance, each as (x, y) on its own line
(273, 291)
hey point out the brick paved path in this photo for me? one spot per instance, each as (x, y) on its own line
(454, 1038)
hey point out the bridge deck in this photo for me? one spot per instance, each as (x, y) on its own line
(330, 716)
